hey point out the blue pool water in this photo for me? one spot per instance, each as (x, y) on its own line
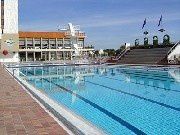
(119, 100)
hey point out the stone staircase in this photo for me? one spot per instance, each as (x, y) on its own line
(145, 56)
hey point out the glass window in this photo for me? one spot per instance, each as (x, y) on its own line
(45, 44)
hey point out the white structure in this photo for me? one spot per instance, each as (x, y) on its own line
(1, 19)
(175, 73)
(101, 52)
(73, 32)
(11, 16)
(9, 31)
(128, 46)
(174, 54)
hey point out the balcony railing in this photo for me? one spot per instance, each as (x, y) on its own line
(78, 34)
(89, 47)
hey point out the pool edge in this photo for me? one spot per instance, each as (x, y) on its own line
(54, 110)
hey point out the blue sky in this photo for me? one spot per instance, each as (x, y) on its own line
(107, 23)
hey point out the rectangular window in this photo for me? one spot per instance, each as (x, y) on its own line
(29, 43)
(22, 44)
(37, 43)
(60, 43)
(45, 43)
(80, 43)
(67, 42)
(52, 43)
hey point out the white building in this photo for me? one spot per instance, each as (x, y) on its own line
(9, 37)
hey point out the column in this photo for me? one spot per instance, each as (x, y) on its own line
(49, 44)
(56, 48)
(49, 47)
(26, 48)
(56, 43)
(33, 41)
(25, 43)
(26, 56)
(49, 55)
(41, 47)
(71, 54)
(34, 55)
(63, 51)
(83, 44)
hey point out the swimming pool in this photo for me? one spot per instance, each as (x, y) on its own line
(116, 99)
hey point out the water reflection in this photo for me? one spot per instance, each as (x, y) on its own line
(112, 72)
(69, 77)
(156, 78)
(73, 74)
(175, 73)
(74, 78)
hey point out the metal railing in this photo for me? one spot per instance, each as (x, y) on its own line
(171, 50)
(122, 54)
(78, 34)
(174, 60)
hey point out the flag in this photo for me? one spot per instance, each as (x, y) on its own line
(144, 23)
(160, 21)
(161, 30)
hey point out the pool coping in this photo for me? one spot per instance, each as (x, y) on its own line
(70, 121)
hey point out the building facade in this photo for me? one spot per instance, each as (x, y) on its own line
(9, 37)
(49, 46)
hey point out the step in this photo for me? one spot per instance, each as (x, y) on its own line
(140, 60)
(150, 50)
(144, 55)
(166, 48)
(143, 51)
(137, 63)
(143, 59)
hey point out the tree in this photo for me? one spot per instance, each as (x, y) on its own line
(118, 51)
(110, 52)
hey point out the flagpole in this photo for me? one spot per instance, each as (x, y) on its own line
(161, 27)
(145, 32)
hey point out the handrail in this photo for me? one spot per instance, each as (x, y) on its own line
(170, 51)
(122, 53)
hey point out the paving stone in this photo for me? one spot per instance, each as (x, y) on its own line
(20, 114)
(3, 131)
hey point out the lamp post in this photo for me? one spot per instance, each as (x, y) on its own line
(146, 39)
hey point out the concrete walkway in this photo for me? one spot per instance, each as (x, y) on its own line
(20, 114)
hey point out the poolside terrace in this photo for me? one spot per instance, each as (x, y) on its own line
(20, 114)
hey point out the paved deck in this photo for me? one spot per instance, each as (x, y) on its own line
(20, 114)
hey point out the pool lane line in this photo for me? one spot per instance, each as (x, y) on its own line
(150, 77)
(61, 120)
(146, 75)
(108, 113)
(165, 89)
(146, 72)
(134, 95)
(162, 104)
